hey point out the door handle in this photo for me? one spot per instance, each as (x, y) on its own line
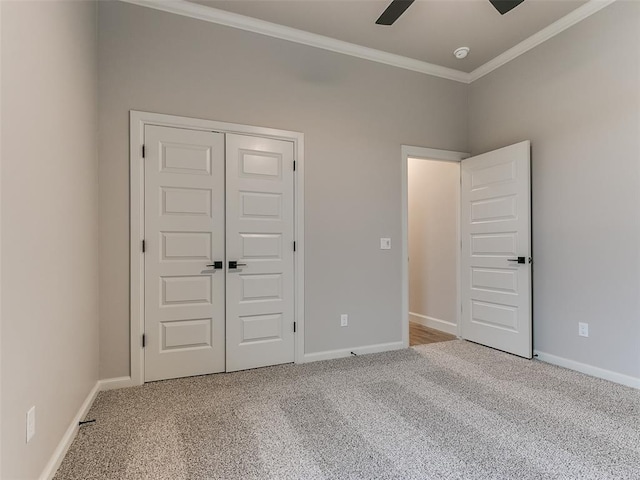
(216, 265)
(519, 260)
(233, 264)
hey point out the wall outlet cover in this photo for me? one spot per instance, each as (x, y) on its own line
(31, 423)
(344, 320)
(385, 244)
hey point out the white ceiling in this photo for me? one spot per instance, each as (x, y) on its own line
(429, 31)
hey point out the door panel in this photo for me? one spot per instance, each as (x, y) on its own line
(496, 229)
(184, 232)
(260, 307)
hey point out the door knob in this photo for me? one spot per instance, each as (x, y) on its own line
(216, 265)
(519, 259)
(233, 264)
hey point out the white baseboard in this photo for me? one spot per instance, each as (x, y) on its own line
(67, 439)
(588, 369)
(431, 322)
(117, 382)
(346, 352)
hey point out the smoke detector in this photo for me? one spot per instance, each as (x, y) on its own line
(461, 52)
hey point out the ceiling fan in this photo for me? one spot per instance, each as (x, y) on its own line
(397, 8)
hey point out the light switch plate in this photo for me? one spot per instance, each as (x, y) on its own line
(583, 329)
(385, 244)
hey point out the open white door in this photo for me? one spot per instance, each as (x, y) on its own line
(496, 249)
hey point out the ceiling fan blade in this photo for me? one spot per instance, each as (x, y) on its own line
(393, 11)
(504, 6)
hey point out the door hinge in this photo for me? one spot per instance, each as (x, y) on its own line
(144, 340)
(294, 165)
(144, 246)
(294, 327)
(294, 246)
(143, 151)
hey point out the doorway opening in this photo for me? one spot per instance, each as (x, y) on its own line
(431, 240)
(433, 205)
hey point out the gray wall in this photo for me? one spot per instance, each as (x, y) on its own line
(49, 224)
(577, 97)
(355, 115)
(433, 191)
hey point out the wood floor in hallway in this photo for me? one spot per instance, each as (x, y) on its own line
(421, 335)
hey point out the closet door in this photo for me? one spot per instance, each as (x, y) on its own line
(184, 236)
(260, 281)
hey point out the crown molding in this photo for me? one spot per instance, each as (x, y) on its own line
(577, 15)
(249, 24)
(234, 20)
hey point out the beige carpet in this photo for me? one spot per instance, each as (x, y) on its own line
(451, 410)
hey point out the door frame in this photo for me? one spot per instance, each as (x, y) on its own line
(137, 122)
(424, 153)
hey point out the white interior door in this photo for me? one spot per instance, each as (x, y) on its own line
(260, 306)
(184, 232)
(496, 249)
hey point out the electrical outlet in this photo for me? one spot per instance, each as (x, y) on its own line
(344, 320)
(583, 329)
(385, 244)
(31, 423)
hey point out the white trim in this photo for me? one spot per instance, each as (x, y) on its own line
(249, 24)
(298, 293)
(138, 120)
(598, 372)
(406, 152)
(433, 153)
(136, 259)
(68, 437)
(435, 323)
(559, 26)
(117, 382)
(346, 352)
(242, 22)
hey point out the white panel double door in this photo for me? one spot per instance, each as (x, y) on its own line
(496, 249)
(218, 252)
